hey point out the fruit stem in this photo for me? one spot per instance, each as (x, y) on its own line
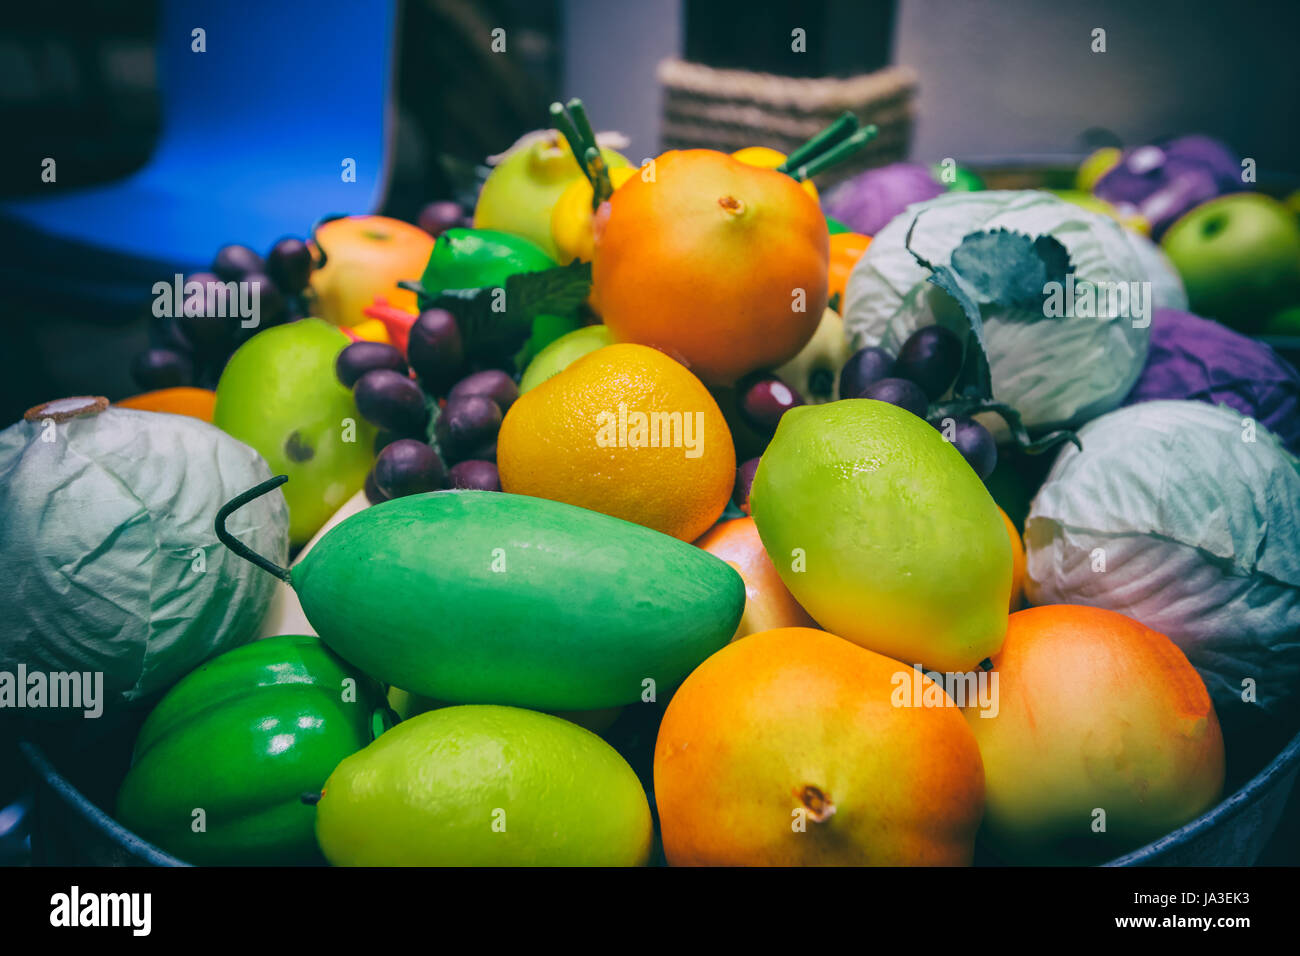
(844, 126)
(321, 258)
(836, 154)
(237, 546)
(312, 797)
(601, 185)
(819, 805)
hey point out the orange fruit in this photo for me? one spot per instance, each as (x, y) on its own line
(846, 249)
(626, 431)
(181, 400)
(1017, 561)
(787, 749)
(768, 602)
(718, 263)
(1098, 719)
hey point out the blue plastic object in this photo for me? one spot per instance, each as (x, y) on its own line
(256, 135)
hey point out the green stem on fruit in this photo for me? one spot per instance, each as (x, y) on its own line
(968, 407)
(586, 134)
(986, 664)
(602, 187)
(573, 125)
(414, 285)
(836, 154)
(311, 797)
(844, 126)
(237, 546)
(321, 258)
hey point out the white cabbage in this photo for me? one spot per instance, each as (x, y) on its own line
(1184, 516)
(1055, 371)
(108, 553)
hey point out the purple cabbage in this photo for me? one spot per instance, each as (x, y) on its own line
(869, 200)
(1162, 182)
(1201, 360)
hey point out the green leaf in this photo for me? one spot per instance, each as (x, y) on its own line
(1010, 269)
(496, 321)
(974, 380)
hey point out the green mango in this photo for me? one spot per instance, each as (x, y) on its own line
(486, 597)
(242, 738)
(485, 786)
(884, 533)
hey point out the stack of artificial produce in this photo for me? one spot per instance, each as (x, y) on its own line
(665, 514)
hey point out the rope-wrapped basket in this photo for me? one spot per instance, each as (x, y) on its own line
(731, 109)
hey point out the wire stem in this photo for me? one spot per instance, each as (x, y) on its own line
(237, 546)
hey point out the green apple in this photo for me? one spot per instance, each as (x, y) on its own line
(1239, 257)
(520, 192)
(279, 394)
(815, 372)
(561, 353)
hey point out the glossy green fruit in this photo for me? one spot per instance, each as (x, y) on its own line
(476, 258)
(485, 786)
(884, 534)
(1239, 257)
(563, 352)
(280, 394)
(486, 597)
(242, 738)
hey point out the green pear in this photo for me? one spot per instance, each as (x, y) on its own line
(520, 192)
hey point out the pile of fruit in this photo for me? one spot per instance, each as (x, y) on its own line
(651, 514)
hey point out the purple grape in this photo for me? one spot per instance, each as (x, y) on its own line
(437, 217)
(491, 383)
(234, 262)
(475, 474)
(766, 400)
(408, 467)
(864, 367)
(161, 368)
(973, 441)
(744, 481)
(391, 400)
(435, 349)
(931, 357)
(270, 300)
(208, 333)
(290, 263)
(468, 428)
(373, 494)
(902, 392)
(361, 357)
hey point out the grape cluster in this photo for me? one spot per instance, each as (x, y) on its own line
(924, 369)
(399, 395)
(192, 348)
